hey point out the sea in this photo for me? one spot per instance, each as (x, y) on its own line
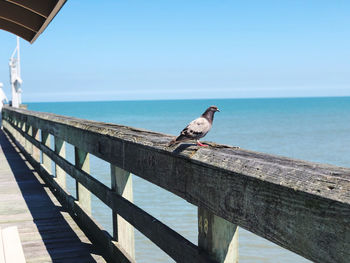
(312, 129)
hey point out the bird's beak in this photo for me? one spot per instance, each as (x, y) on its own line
(217, 110)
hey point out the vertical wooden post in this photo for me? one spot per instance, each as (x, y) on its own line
(60, 149)
(45, 139)
(5, 124)
(16, 132)
(36, 151)
(217, 236)
(82, 161)
(25, 129)
(28, 145)
(14, 124)
(8, 123)
(22, 127)
(18, 137)
(123, 232)
(8, 126)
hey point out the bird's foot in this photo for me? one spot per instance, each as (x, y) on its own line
(201, 144)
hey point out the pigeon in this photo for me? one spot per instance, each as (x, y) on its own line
(197, 128)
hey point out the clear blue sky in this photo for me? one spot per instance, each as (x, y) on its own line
(112, 50)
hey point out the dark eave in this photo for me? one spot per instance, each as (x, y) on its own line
(28, 19)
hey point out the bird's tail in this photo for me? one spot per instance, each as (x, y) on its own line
(173, 142)
(177, 140)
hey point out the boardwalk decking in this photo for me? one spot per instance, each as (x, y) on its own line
(47, 232)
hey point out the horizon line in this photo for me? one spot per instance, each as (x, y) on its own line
(241, 98)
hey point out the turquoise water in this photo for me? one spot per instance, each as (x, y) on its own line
(314, 129)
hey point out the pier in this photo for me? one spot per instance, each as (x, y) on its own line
(301, 206)
(45, 227)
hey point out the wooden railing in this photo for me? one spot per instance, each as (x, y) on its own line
(301, 206)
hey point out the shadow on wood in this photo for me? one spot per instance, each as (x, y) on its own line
(60, 239)
(299, 205)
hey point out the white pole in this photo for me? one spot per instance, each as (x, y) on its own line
(15, 77)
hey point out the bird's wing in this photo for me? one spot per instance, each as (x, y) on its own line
(197, 128)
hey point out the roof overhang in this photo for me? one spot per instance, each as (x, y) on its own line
(28, 18)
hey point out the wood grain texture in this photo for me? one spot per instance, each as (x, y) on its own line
(99, 237)
(47, 232)
(36, 152)
(60, 149)
(82, 162)
(218, 237)
(302, 206)
(167, 239)
(123, 232)
(46, 161)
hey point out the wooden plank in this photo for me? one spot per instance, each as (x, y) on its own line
(12, 245)
(167, 239)
(17, 133)
(27, 129)
(218, 237)
(36, 151)
(123, 232)
(112, 251)
(60, 149)
(46, 161)
(82, 162)
(280, 199)
(44, 226)
(22, 124)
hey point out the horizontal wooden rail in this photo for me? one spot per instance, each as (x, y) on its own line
(302, 206)
(113, 252)
(164, 237)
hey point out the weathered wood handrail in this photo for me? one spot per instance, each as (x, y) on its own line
(302, 206)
